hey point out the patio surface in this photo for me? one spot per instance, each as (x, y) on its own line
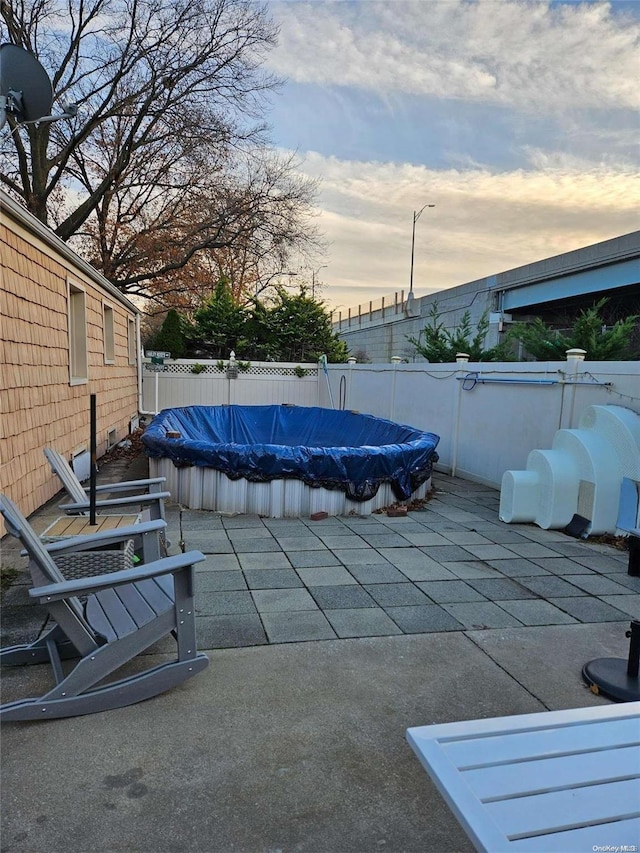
(326, 641)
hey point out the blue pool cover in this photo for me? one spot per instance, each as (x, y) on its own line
(322, 447)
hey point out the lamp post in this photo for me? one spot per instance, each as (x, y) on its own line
(416, 216)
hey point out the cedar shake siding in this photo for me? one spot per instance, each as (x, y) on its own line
(64, 334)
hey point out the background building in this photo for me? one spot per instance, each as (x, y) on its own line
(555, 289)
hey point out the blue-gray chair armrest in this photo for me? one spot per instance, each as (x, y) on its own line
(128, 485)
(85, 586)
(98, 540)
(131, 500)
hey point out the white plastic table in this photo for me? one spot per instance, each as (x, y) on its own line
(545, 783)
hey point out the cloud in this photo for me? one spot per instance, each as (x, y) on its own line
(485, 221)
(536, 56)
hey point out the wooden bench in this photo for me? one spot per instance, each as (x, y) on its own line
(542, 783)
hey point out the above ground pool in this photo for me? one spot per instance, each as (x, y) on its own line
(324, 459)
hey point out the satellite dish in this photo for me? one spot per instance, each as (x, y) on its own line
(25, 88)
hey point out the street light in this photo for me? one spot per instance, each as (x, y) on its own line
(416, 216)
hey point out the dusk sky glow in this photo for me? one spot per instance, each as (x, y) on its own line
(517, 119)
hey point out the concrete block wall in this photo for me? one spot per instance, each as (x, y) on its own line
(615, 259)
(383, 340)
(38, 405)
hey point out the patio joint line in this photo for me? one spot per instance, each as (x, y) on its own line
(506, 672)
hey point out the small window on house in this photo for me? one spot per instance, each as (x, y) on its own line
(109, 336)
(132, 342)
(78, 364)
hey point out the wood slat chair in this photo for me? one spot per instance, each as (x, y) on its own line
(149, 495)
(561, 781)
(124, 614)
(145, 536)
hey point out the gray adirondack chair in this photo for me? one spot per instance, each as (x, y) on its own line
(153, 500)
(125, 613)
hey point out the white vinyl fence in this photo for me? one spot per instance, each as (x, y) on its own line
(175, 383)
(489, 416)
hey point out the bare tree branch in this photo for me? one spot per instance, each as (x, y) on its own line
(166, 160)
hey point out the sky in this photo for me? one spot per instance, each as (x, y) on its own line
(518, 120)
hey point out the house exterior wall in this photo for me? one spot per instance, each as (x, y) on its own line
(39, 405)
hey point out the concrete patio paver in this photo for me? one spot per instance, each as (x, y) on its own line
(260, 562)
(427, 537)
(256, 546)
(360, 557)
(396, 594)
(449, 591)
(629, 604)
(630, 581)
(208, 543)
(588, 609)
(385, 540)
(518, 566)
(561, 566)
(271, 578)
(598, 585)
(237, 534)
(325, 576)
(470, 569)
(293, 738)
(376, 574)
(278, 600)
(341, 597)
(481, 614)
(230, 631)
(490, 552)
(536, 612)
(218, 563)
(199, 520)
(224, 603)
(454, 547)
(297, 626)
(300, 543)
(310, 559)
(362, 622)
(423, 618)
(449, 553)
(500, 589)
(215, 581)
(549, 586)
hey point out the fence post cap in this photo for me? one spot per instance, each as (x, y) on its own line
(395, 359)
(462, 357)
(576, 354)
